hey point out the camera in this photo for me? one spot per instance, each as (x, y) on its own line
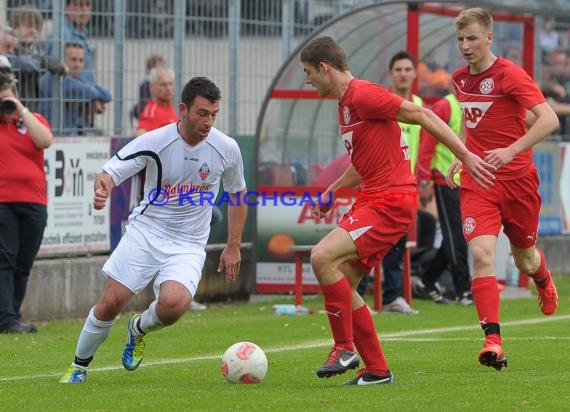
(7, 106)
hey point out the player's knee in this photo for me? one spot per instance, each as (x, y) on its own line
(319, 259)
(108, 308)
(173, 307)
(526, 263)
(481, 257)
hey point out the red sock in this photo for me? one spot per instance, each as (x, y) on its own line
(486, 298)
(542, 274)
(367, 343)
(338, 304)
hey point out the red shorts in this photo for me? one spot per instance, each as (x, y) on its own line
(376, 229)
(515, 204)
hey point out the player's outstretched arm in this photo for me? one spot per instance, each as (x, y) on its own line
(102, 188)
(230, 259)
(478, 169)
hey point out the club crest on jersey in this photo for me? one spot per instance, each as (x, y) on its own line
(346, 115)
(468, 225)
(204, 171)
(486, 85)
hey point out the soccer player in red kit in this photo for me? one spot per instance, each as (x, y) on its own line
(380, 164)
(495, 94)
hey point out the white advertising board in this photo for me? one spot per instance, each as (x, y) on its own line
(74, 227)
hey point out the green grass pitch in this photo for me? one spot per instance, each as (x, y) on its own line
(433, 356)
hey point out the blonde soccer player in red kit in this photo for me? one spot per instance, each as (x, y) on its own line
(368, 116)
(495, 95)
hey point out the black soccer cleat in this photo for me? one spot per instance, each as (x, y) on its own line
(366, 378)
(338, 362)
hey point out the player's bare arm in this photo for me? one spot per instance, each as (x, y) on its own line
(102, 188)
(481, 171)
(545, 122)
(230, 258)
(349, 179)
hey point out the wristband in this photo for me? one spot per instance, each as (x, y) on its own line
(24, 111)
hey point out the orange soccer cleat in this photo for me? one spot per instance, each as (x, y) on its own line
(492, 355)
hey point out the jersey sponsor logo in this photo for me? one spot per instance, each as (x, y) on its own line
(486, 86)
(194, 159)
(204, 171)
(474, 112)
(347, 141)
(346, 115)
(468, 225)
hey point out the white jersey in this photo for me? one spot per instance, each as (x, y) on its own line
(182, 181)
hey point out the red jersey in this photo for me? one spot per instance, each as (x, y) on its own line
(22, 173)
(156, 115)
(373, 138)
(494, 104)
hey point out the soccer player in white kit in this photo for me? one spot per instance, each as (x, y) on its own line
(167, 233)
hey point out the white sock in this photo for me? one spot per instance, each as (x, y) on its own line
(92, 335)
(149, 320)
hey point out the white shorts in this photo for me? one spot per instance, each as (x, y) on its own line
(141, 257)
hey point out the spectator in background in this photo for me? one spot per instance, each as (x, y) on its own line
(549, 37)
(77, 16)
(514, 54)
(23, 199)
(159, 110)
(8, 42)
(556, 85)
(21, 65)
(433, 80)
(154, 60)
(81, 99)
(27, 22)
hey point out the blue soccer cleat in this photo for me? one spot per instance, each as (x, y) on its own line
(134, 349)
(75, 374)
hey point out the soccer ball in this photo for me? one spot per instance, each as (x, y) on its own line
(244, 362)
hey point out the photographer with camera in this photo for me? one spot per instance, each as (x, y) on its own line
(23, 200)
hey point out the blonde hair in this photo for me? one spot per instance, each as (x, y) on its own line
(477, 15)
(8, 82)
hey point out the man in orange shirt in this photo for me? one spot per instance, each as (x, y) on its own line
(159, 110)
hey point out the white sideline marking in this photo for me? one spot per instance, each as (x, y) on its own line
(401, 336)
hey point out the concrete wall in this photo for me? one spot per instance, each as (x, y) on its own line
(69, 287)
